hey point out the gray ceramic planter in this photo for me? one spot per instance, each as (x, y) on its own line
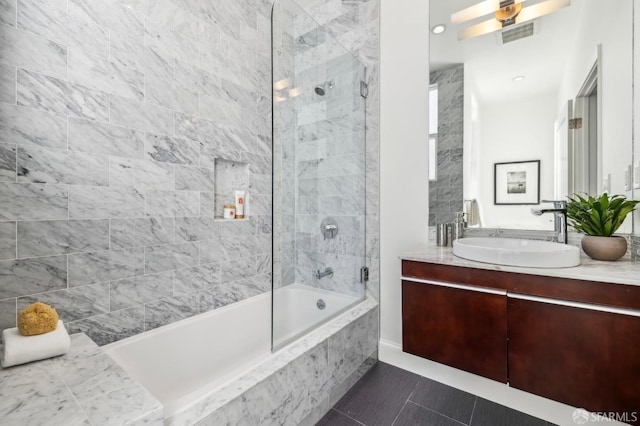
(604, 248)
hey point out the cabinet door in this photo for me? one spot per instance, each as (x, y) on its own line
(462, 328)
(582, 357)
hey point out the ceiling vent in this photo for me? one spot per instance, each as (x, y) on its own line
(512, 34)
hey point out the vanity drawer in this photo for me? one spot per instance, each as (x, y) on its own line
(577, 355)
(606, 294)
(462, 328)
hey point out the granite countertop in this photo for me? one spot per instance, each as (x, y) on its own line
(82, 387)
(623, 271)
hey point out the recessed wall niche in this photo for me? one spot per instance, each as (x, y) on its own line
(230, 176)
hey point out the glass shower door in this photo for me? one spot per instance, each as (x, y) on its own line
(318, 175)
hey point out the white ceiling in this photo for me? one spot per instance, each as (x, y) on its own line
(491, 66)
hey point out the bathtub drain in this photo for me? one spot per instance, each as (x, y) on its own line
(321, 304)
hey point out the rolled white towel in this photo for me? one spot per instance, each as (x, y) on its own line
(19, 349)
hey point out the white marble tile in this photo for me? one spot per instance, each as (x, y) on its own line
(111, 327)
(46, 238)
(102, 266)
(196, 228)
(34, 394)
(172, 150)
(239, 285)
(131, 52)
(141, 174)
(197, 79)
(186, 24)
(26, 50)
(194, 128)
(30, 276)
(170, 44)
(8, 84)
(16, 125)
(260, 184)
(195, 179)
(127, 233)
(7, 163)
(33, 201)
(8, 12)
(8, 313)
(104, 75)
(75, 303)
(219, 111)
(171, 256)
(208, 205)
(92, 375)
(109, 14)
(172, 203)
(259, 205)
(232, 248)
(171, 309)
(59, 96)
(7, 240)
(170, 94)
(129, 292)
(119, 406)
(103, 390)
(97, 138)
(96, 202)
(198, 278)
(141, 116)
(40, 165)
(53, 21)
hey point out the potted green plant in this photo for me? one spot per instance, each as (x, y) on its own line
(598, 218)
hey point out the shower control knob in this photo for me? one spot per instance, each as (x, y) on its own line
(329, 228)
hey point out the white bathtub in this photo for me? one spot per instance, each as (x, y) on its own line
(185, 361)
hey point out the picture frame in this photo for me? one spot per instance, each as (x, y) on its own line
(516, 183)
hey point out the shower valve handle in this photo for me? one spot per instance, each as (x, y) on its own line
(328, 272)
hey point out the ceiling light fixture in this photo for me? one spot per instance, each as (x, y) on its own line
(505, 13)
(438, 29)
(518, 78)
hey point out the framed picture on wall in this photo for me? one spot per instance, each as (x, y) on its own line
(517, 183)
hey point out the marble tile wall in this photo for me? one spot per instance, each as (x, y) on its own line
(117, 119)
(445, 194)
(336, 163)
(634, 247)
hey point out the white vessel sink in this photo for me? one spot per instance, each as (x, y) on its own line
(517, 252)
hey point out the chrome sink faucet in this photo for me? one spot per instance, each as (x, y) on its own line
(559, 211)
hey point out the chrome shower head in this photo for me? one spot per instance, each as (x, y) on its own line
(321, 89)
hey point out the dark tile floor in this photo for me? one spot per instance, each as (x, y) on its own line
(388, 396)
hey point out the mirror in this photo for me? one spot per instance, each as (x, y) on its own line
(535, 111)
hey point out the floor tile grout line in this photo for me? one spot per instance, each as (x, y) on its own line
(475, 403)
(348, 416)
(398, 415)
(475, 398)
(414, 388)
(439, 413)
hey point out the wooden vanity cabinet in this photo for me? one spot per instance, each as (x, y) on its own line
(576, 342)
(461, 328)
(579, 356)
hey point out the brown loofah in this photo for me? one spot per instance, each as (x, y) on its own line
(37, 318)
